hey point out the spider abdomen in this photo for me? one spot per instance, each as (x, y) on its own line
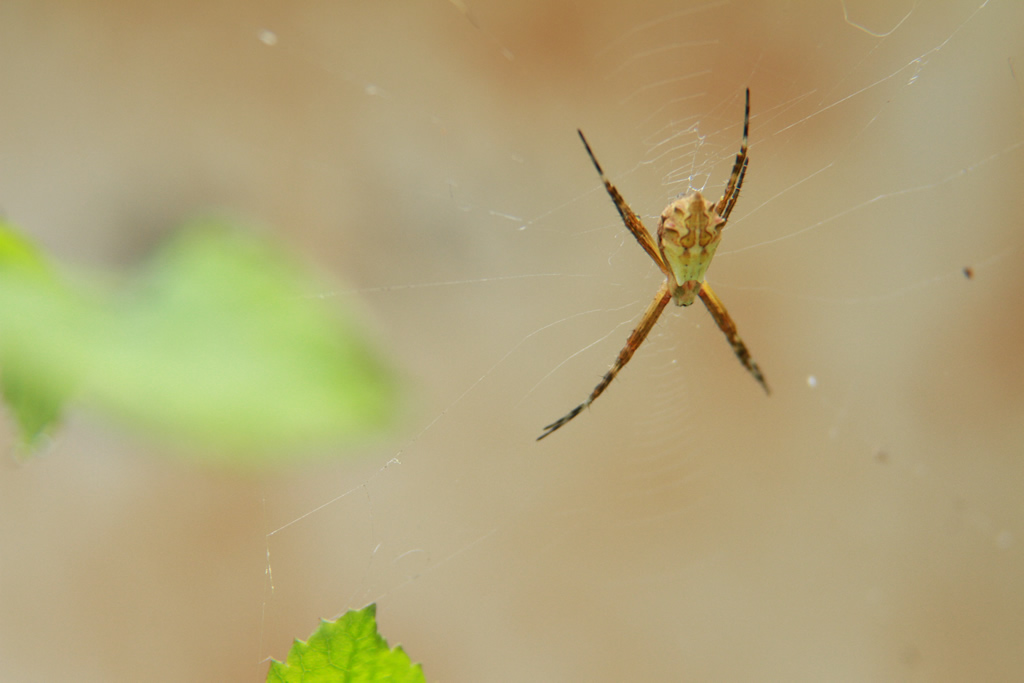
(688, 235)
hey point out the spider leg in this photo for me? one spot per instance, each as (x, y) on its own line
(728, 327)
(736, 193)
(628, 217)
(739, 170)
(637, 338)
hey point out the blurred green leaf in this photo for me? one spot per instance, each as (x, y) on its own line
(220, 342)
(35, 311)
(346, 651)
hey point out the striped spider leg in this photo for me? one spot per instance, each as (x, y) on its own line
(688, 235)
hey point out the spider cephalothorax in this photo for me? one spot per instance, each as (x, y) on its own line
(688, 235)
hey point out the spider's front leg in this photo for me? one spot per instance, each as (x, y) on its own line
(637, 338)
(728, 327)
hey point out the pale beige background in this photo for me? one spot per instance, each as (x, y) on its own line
(866, 528)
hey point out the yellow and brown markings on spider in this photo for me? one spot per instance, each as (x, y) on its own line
(688, 235)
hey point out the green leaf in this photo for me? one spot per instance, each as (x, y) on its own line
(346, 651)
(35, 311)
(219, 343)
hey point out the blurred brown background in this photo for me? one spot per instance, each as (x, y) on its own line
(862, 523)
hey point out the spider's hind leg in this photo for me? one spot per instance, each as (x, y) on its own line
(629, 217)
(739, 170)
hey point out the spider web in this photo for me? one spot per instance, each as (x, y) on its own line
(862, 523)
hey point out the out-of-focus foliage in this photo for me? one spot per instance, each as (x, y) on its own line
(218, 343)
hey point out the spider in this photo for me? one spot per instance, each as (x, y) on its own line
(688, 235)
